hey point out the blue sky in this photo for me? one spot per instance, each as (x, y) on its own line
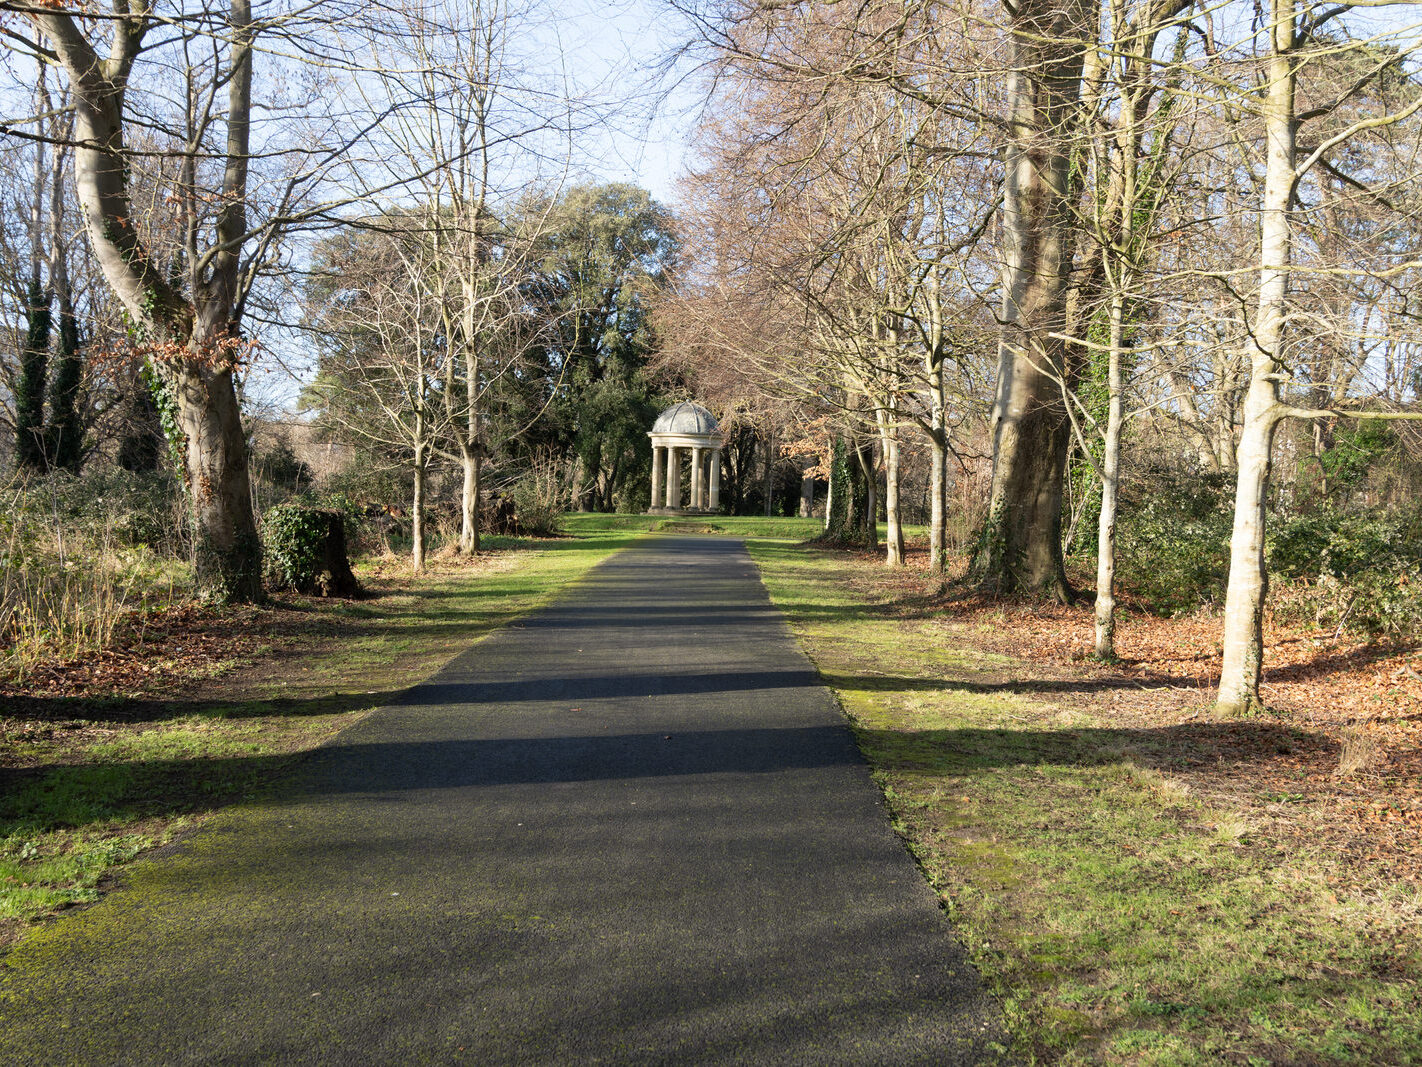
(625, 42)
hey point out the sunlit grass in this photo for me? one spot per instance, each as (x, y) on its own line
(775, 527)
(1118, 917)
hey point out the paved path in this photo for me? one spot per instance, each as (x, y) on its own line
(631, 829)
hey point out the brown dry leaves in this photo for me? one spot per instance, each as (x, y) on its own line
(1328, 699)
(181, 641)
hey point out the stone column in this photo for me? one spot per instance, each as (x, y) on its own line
(698, 464)
(658, 473)
(674, 477)
(715, 479)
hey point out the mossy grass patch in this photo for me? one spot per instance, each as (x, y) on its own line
(225, 705)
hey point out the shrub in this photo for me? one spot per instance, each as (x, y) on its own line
(1174, 539)
(59, 610)
(1358, 570)
(539, 513)
(538, 498)
(113, 506)
(66, 579)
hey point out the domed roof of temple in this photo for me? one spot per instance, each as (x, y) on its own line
(685, 418)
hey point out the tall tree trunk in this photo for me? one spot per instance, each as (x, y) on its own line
(889, 441)
(839, 503)
(469, 496)
(1322, 440)
(64, 436)
(866, 517)
(227, 551)
(64, 433)
(34, 369)
(470, 443)
(417, 512)
(1110, 487)
(807, 496)
(937, 474)
(1021, 548)
(34, 353)
(1248, 579)
(768, 478)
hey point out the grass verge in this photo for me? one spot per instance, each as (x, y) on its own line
(214, 710)
(1119, 916)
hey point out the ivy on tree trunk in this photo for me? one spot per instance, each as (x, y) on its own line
(64, 436)
(34, 368)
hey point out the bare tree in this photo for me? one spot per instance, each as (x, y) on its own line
(855, 207)
(1295, 38)
(193, 331)
(1130, 168)
(378, 303)
(474, 130)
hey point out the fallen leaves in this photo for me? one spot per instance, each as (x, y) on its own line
(1324, 695)
(174, 643)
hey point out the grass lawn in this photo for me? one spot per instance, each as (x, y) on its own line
(1119, 915)
(192, 710)
(774, 528)
(584, 523)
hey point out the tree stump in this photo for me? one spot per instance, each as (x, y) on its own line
(334, 577)
(305, 550)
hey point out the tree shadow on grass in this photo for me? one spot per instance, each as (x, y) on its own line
(1317, 668)
(1178, 749)
(121, 709)
(910, 607)
(1044, 687)
(75, 795)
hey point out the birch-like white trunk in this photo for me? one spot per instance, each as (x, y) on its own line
(417, 513)
(470, 450)
(469, 501)
(1110, 487)
(937, 473)
(1248, 578)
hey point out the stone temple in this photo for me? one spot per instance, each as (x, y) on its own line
(686, 430)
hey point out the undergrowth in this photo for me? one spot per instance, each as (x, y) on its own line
(70, 572)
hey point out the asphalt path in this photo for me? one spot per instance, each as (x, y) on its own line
(632, 828)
